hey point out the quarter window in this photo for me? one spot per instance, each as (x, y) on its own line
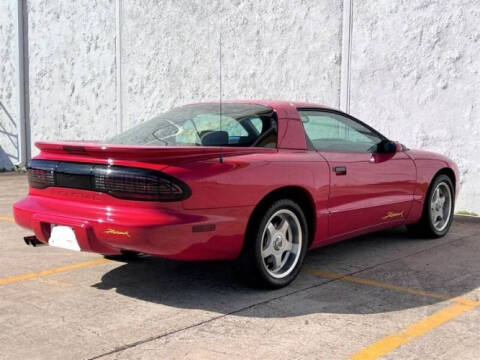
(257, 123)
(330, 131)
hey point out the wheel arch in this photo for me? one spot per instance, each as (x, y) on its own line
(448, 172)
(420, 226)
(442, 171)
(296, 193)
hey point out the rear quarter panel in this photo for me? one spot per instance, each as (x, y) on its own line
(243, 181)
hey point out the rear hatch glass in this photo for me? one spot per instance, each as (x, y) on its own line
(210, 124)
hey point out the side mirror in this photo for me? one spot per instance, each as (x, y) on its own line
(387, 147)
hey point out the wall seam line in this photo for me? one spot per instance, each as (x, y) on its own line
(118, 63)
(345, 72)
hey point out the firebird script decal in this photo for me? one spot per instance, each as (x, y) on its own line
(116, 232)
(391, 215)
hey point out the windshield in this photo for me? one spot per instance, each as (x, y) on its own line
(202, 125)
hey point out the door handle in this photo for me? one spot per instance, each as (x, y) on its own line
(340, 170)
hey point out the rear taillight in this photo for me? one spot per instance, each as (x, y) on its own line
(42, 175)
(139, 184)
(118, 181)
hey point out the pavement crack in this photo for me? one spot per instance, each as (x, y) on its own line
(201, 323)
(264, 302)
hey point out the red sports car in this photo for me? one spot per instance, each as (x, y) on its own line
(259, 182)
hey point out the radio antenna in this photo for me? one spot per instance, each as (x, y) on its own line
(220, 74)
(220, 158)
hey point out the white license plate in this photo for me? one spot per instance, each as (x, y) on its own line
(63, 237)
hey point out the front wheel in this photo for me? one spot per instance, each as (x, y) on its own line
(438, 209)
(275, 246)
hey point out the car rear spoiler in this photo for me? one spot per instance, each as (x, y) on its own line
(155, 154)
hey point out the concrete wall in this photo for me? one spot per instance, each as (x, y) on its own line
(414, 65)
(415, 77)
(8, 96)
(169, 56)
(72, 69)
(170, 53)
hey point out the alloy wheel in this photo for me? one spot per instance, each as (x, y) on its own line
(281, 243)
(441, 206)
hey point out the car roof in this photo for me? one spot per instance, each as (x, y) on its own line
(297, 104)
(275, 104)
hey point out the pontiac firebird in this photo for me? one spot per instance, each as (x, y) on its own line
(258, 182)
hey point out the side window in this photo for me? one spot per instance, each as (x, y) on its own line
(334, 132)
(257, 123)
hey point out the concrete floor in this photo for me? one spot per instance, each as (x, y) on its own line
(403, 298)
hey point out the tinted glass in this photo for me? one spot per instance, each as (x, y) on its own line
(204, 125)
(334, 132)
(257, 123)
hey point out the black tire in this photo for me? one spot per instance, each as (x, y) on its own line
(250, 265)
(425, 227)
(125, 256)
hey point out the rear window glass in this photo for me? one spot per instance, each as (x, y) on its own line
(206, 125)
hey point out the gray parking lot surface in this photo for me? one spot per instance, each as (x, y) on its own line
(384, 295)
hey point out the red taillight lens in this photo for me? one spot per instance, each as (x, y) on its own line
(42, 175)
(139, 184)
(118, 181)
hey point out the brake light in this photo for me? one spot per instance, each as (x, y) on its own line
(139, 184)
(118, 181)
(42, 175)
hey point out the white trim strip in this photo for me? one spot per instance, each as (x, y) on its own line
(21, 75)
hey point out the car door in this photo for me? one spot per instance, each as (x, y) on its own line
(369, 190)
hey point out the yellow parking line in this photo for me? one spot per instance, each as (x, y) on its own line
(354, 279)
(6, 218)
(84, 264)
(391, 342)
(413, 331)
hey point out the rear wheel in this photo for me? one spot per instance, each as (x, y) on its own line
(275, 246)
(438, 209)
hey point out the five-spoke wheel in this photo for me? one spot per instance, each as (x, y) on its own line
(281, 243)
(441, 206)
(437, 214)
(275, 245)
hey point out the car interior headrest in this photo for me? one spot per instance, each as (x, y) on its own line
(215, 138)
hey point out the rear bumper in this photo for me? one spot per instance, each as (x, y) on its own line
(207, 234)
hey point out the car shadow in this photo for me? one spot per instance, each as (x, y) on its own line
(449, 266)
(5, 161)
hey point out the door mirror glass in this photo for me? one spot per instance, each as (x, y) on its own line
(387, 147)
